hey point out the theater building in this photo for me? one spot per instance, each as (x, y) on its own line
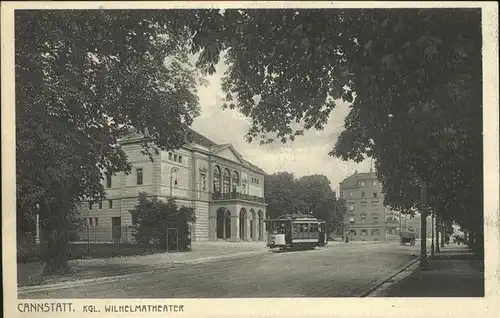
(225, 190)
(367, 219)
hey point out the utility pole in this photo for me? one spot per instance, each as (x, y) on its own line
(423, 225)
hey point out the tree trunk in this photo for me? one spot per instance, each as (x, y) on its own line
(443, 233)
(438, 224)
(56, 257)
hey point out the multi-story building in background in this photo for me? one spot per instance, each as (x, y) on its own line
(225, 191)
(366, 215)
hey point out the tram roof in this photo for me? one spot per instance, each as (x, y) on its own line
(298, 217)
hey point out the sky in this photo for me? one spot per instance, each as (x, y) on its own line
(307, 155)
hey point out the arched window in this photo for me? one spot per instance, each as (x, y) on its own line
(216, 179)
(235, 182)
(225, 181)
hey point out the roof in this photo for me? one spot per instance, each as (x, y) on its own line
(353, 180)
(200, 139)
(197, 138)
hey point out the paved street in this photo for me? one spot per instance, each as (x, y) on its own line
(341, 270)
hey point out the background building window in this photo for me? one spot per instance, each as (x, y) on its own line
(350, 194)
(363, 218)
(374, 194)
(139, 176)
(110, 204)
(225, 182)
(169, 156)
(364, 232)
(91, 222)
(352, 232)
(351, 208)
(96, 221)
(362, 194)
(375, 232)
(362, 183)
(90, 205)
(180, 159)
(175, 157)
(375, 219)
(100, 205)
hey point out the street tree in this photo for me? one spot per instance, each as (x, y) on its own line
(281, 194)
(83, 79)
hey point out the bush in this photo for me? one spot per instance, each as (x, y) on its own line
(154, 217)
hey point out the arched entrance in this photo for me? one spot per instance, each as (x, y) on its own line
(223, 223)
(253, 224)
(243, 223)
(228, 225)
(259, 226)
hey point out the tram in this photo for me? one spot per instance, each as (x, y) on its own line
(291, 231)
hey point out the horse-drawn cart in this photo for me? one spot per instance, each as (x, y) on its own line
(407, 238)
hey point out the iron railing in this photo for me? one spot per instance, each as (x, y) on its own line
(236, 196)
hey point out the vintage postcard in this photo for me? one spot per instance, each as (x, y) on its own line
(239, 159)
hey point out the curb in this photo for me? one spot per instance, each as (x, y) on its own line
(379, 287)
(105, 279)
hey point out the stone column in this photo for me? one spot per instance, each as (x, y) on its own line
(212, 228)
(235, 227)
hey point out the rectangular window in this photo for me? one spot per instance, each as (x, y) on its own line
(100, 205)
(175, 157)
(351, 208)
(90, 205)
(351, 219)
(180, 159)
(374, 194)
(110, 204)
(362, 194)
(96, 221)
(363, 218)
(139, 176)
(90, 222)
(169, 156)
(108, 180)
(375, 219)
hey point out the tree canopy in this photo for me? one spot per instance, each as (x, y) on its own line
(83, 79)
(308, 194)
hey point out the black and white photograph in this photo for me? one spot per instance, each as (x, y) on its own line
(249, 150)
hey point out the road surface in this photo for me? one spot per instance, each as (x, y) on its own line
(340, 270)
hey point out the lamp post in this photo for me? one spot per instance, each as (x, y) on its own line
(172, 171)
(423, 225)
(432, 233)
(37, 235)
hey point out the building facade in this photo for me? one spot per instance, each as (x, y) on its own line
(367, 219)
(225, 191)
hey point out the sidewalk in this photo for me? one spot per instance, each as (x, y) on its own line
(454, 272)
(31, 274)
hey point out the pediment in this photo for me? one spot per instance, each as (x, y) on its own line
(228, 152)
